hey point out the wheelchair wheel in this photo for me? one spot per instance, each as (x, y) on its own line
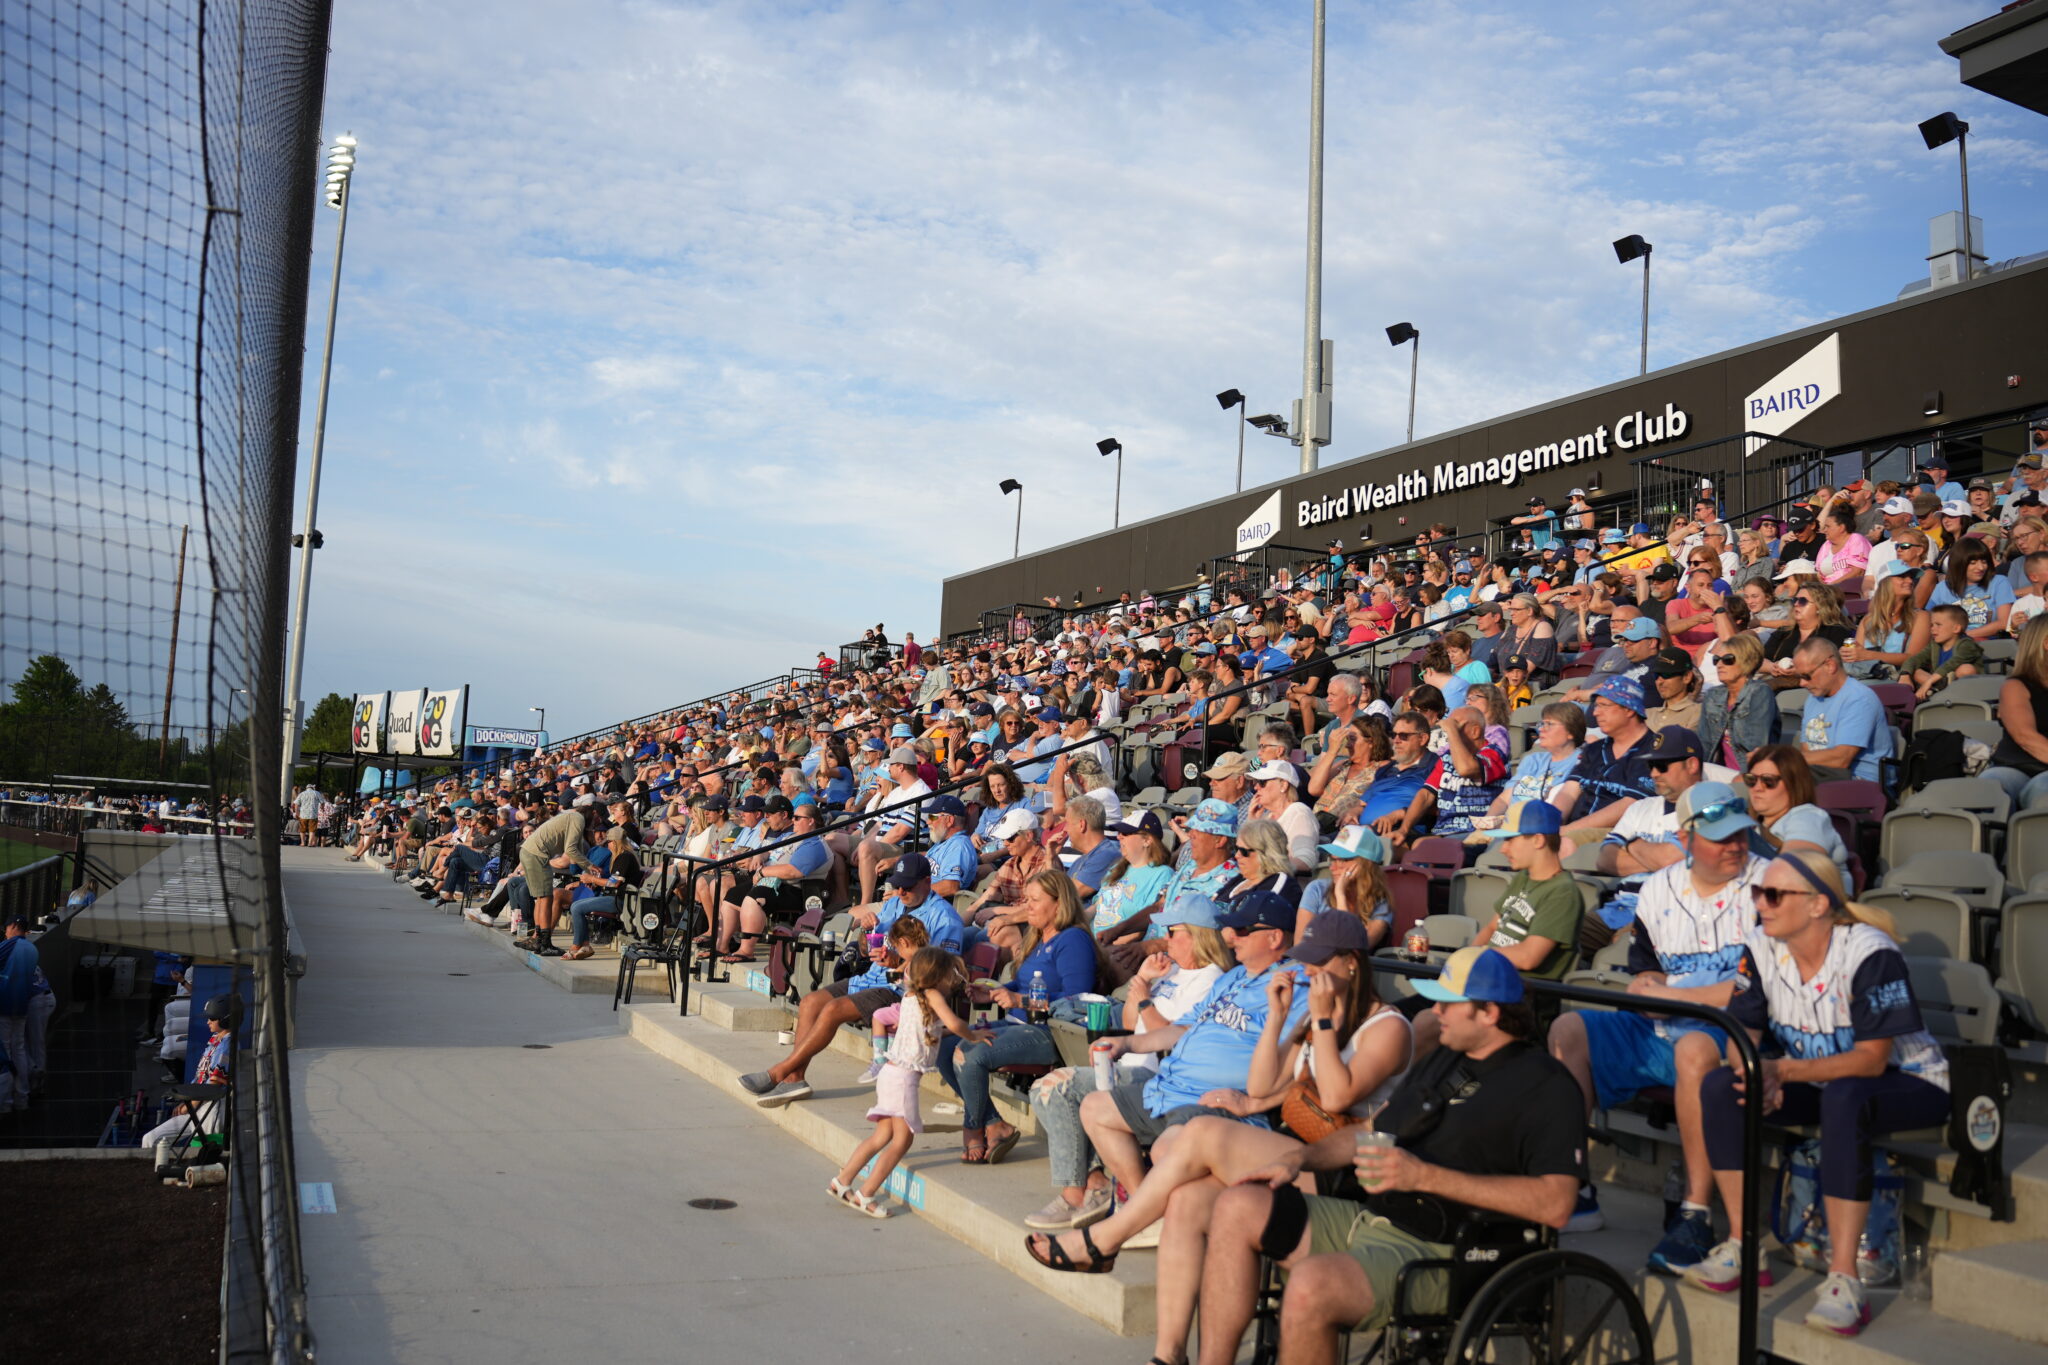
(1551, 1308)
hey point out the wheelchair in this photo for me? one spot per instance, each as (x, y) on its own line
(1514, 1297)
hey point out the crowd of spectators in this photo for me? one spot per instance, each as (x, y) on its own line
(990, 801)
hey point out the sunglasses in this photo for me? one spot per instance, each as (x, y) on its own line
(1409, 734)
(1658, 765)
(1802, 601)
(1724, 661)
(1768, 781)
(1774, 896)
(1706, 815)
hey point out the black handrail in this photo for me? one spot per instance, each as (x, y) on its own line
(1752, 1114)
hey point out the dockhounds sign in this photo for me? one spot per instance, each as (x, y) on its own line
(1631, 432)
(366, 722)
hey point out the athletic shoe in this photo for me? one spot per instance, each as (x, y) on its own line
(1687, 1240)
(784, 1093)
(874, 1071)
(548, 950)
(1839, 1307)
(1721, 1269)
(787, 1037)
(1586, 1215)
(1054, 1216)
(529, 943)
(757, 1083)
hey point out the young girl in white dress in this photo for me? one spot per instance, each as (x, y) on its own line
(932, 976)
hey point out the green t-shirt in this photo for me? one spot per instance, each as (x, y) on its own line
(1548, 909)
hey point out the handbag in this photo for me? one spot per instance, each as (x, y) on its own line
(1305, 1117)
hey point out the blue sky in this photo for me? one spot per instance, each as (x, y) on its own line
(680, 340)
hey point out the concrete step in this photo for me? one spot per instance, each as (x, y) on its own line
(2001, 1288)
(982, 1206)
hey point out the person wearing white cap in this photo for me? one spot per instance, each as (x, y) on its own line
(1895, 518)
(1279, 785)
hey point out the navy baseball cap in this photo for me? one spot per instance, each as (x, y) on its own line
(751, 803)
(1259, 910)
(910, 869)
(946, 804)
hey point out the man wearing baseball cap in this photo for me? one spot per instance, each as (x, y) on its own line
(888, 832)
(1612, 770)
(1511, 1144)
(822, 1013)
(1637, 639)
(1690, 922)
(1895, 516)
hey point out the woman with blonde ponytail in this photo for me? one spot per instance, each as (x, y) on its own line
(1825, 976)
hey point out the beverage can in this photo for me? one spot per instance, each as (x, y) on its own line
(1105, 1065)
(1418, 944)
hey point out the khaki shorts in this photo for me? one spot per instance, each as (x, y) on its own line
(1381, 1249)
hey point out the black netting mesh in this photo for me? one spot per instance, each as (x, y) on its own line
(158, 170)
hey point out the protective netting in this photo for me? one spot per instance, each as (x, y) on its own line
(158, 169)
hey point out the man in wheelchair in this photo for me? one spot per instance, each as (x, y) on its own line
(1489, 1124)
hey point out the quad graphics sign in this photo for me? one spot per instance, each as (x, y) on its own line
(366, 722)
(420, 723)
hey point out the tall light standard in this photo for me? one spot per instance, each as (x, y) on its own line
(341, 164)
(542, 712)
(1108, 445)
(1628, 249)
(1397, 334)
(1010, 486)
(1228, 399)
(1939, 131)
(1311, 422)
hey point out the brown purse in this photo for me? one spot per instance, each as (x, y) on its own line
(1305, 1117)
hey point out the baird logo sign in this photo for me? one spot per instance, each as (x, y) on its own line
(1634, 431)
(1789, 396)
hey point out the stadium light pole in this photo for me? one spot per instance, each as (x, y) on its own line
(542, 712)
(1627, 249)
(1939, 131)
(1397, 334)
(341, 164)
(1110, 445)
(1228, 399)
(1010, 486)
(1309, 425)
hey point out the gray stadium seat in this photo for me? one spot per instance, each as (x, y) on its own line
(2026, 847)
(1931, 923)
(1908, 833)
(1449, 932)
(1973, 878)
(1999, 654)
(1475, 892)
(1982, 687)
(1958, 1003)
(2023, 957)
(1942, 711)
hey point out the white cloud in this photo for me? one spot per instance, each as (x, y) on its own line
(724, 287)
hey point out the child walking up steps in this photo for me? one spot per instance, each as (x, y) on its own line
(932, 975)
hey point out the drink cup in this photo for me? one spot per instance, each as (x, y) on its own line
(1367, 1139)
(1105, 1065)
(1098, 1015)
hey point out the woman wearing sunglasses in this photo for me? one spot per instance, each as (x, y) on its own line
(1740, 711)
(1828, 981)
(1816, 612)
(1891, 632)
(1781, 797)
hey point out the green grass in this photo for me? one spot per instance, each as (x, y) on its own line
(13, 855)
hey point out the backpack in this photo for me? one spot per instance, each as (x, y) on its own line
(1799, 1220)
(1931, 756)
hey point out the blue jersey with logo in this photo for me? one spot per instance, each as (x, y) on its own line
(1216, 1051)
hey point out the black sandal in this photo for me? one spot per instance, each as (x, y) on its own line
(747, 941)
(1056, 1257)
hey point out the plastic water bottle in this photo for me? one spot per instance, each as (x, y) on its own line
(1038, 1000)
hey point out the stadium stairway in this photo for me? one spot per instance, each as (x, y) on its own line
(1989, 1281)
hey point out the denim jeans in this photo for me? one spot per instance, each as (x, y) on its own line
(2026, 792)
(464, 862)
(965, 1066)
(580, 913)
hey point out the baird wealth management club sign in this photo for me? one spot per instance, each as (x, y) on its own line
(1630, 432)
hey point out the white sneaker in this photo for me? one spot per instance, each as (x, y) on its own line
(1839, 1307)
(874, 1071)
(787, 1037)
(1721, 1271)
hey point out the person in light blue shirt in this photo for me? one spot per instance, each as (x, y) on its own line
(954, 861)
(1843, 730)
(1542, 523)
(1934, 474)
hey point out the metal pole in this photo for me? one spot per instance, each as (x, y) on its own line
(1240, 443)
(1017, 537)
(1969, 246)
(1116, 516)
(1414, 366)
(293, 719)
(1645, 368)
(1312, 323)
(163, 744)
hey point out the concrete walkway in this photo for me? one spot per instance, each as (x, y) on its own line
(498, 1201)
